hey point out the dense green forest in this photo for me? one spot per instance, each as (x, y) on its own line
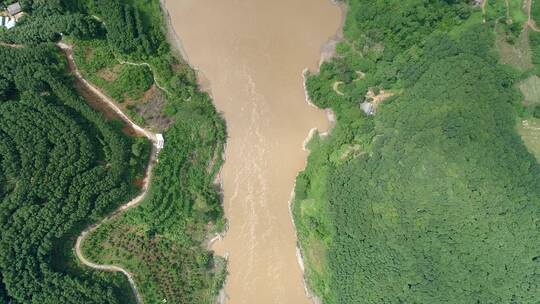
(535, 11)
(62, 166)
(435, 197)
(59, 154)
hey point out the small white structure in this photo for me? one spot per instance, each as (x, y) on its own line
(7, 22)
(160, 141)
(367, 107)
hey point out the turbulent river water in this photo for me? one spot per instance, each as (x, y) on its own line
(252, 53)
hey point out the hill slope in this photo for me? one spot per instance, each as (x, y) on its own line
(434, 199)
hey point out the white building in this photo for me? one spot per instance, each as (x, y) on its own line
(7, 22)
(160, 141)
(367, 107)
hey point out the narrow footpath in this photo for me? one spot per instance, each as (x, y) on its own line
(148, 66)
(67, 49)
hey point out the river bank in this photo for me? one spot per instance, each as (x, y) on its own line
(178, 48)
(328, 51)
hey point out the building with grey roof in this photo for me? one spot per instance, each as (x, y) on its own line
(14, 9)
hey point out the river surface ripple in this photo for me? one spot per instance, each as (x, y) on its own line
(252, 53)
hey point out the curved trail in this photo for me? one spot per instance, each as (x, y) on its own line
(132, 203)
(335, 87)
(150, 67)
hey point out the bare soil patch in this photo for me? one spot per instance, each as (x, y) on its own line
(150, 108)
(109, 74)
(377, 99)
(519, 54)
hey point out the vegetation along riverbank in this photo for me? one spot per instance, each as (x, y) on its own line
(65, 166)
(424, 192)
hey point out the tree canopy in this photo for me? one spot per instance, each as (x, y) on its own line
(435, 198)
(61, 165)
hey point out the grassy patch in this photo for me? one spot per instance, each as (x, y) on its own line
(517, 54)
(517, 13)
(99, 64)
(508, 16)
(529, 130)
(531, 90)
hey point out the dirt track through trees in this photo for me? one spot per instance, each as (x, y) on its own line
(146, 181)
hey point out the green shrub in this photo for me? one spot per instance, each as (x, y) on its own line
(536, 111)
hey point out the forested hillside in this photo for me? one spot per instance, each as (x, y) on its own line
(434, 198)
(64, 167)
(162, 241)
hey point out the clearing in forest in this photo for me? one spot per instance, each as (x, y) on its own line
(531, 90)
(529, 130)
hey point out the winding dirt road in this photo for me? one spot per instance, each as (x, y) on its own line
(68, 50)
(335, 87)
(132, 203)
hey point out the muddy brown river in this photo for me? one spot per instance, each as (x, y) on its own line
(252, 53)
